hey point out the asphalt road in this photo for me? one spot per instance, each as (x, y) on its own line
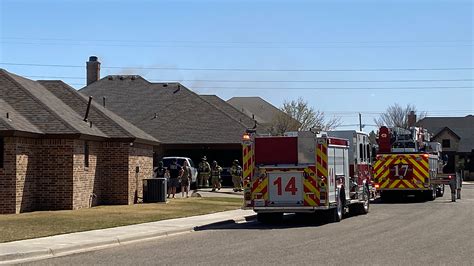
(408, 232)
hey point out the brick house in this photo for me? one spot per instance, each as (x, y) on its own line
(53, 156)
(457, 140)
(186, 123)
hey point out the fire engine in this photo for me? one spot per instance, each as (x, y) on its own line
(407, 162)
(302, 172)
(360, 156)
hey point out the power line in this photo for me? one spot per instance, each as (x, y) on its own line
(323, 81)
(229, 42)
(339, 88)
(274, 81)
(341, 45)
(250, 69)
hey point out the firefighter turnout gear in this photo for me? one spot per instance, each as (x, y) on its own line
(216, 176)
(236, 172)
(204, 173)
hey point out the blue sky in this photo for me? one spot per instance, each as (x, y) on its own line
(292, 35)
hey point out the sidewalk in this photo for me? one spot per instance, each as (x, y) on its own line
(47, 247)
(223, 192)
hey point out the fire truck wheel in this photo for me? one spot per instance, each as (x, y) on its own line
(430, 194)
(360, 208)
(269, 218)
(335, 214)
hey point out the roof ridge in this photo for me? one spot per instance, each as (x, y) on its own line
(47, 108)
(83, 98)
(219, 109)
(233, 107)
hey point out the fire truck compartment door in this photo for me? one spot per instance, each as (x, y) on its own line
(285, 188)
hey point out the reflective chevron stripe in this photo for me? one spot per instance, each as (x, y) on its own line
(412, 169)
(311, 187)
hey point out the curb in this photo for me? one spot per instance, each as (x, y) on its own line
(47, 253)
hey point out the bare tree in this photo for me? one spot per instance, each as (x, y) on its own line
(298, 115)
(397, 116)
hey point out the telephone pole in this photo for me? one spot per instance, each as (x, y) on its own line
(360, 121)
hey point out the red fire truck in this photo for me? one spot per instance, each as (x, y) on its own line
(360, 156)
(305, 172)
(407, 163)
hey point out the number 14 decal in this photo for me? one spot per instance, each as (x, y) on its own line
(290, 186)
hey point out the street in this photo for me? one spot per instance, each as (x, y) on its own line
(408, 232)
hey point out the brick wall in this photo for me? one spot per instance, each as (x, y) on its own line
(26, 169)
(141, 159)
(54, 185)
(114, 165)
(87, 181)
(50, 174)
(8, 178)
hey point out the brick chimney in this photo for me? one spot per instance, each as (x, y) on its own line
(411, 119)
(93, 70)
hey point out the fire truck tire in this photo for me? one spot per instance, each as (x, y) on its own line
(269, 218)
(430, 194)
(361, 208)
(335, 214)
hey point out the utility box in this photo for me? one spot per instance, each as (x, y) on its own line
(154, 190)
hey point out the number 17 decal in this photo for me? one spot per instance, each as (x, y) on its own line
(399, 169)
(290, 186)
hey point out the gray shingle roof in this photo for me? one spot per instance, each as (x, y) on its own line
(182, 117)
(15, 121)
(54, 108)
(229, 109)
(107, 121)
(39, 106)
(263, 111)
(461, 126)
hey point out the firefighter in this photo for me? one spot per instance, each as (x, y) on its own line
(236, 172)
(216, 176)
(204, 172)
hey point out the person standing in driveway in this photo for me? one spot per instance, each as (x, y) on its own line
(185, 179)
(160, 170)
(236, 172)
(216, 176)
(174, 171)
(204, 173)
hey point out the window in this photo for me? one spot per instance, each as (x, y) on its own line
(339, 161)
(446, 143)
(2, 152)
(86, 154)
(368, 153)
(361, 152)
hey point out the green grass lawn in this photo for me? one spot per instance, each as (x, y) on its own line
(47, 223)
